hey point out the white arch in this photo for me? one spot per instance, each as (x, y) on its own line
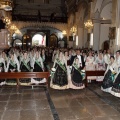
(106, 11)
(39, 40)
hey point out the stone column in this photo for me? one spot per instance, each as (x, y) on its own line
(4, 39)
(117, 21)
(80, 37)
(96, 31)
(96, 36)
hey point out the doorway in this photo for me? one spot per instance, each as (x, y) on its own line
(106, 45)
(53, 41)
(39, 40)
(17, 43)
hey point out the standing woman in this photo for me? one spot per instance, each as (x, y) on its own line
(44, 59)
(12, 66)
(59, 78)
(77, 76)
(110, 75)
(25, 67)
(4, 56)
(30, 56)
(2, 69)
(67, 62)
(90, 65)
(116, 85)
(100, 65)
(38, 67)
(66, 57)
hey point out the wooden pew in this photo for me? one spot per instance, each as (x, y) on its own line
(93, 73)
(18, 75)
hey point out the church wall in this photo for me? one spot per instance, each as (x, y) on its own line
(98, 5)
(4, 38)
(104, 32)
(104, 29)
(85, 43)
(80, 38)
(103, 12)
(106, 11)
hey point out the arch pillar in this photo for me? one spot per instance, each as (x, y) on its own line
(96, 31)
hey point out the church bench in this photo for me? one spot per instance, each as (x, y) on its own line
(93, 73)
(18, 75)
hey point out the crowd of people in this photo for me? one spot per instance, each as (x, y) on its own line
(68, 67)
(16, 60)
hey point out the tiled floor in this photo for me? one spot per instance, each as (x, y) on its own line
(39, 104)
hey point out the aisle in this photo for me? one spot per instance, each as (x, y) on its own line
(87, 104)
(41, 104)
(24, 104)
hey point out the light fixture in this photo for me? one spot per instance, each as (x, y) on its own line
(117, 36)
(73, 30)
(91, 40)
(77, 40)
(88, 24)
(6, 5)
(26, 37)
(7, 20)
(13, 27)
(64, 32)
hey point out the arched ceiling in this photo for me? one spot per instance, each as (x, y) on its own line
(74, 5)
(44, 7)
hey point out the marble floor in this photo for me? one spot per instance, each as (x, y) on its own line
(42, 104)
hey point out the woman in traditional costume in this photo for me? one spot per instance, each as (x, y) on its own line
(90, 65)
(66, 58)
(55, 55)
(116, 85)
(12, 66)
(77, 76)
(59, 77)
(31, 55)
(2, 69)
(4, 56)
(110, 75)
(100, 65)
(25, 67)
(44, 59)
(38, 67)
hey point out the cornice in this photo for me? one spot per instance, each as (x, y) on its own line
(59, 26)
(101, 21)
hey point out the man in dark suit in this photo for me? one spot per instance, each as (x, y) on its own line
(71, 58)
(81, 58)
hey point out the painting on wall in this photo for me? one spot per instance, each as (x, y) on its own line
(53, 40)
(112, 31)
(70, 38)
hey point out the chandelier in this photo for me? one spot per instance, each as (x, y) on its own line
(26, 37)
(6, 5)
(64, 32)
(13, 27)
(7, 20)
(88, 24)
(73, 30)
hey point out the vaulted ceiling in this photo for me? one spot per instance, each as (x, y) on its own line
(73, 5)
(33, 9)
(45, 7)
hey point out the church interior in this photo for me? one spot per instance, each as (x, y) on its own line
(74, 45)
